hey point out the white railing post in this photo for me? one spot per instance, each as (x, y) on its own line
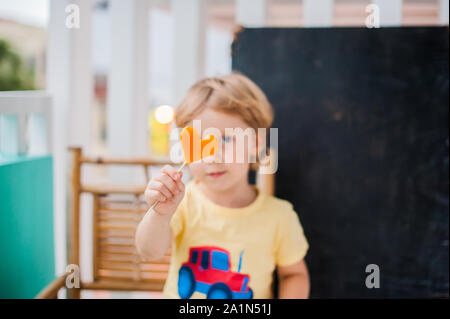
(69, 81)
(188, 45)
(128, 101)
(21, 123)
(39, 133)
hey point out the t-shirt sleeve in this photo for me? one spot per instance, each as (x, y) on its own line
(291, 244)
(177, 223)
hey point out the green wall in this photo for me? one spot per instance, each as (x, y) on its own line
(26, 226)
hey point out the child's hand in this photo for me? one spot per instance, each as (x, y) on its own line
(167, 188)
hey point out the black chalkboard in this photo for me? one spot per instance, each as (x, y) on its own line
(367, 112)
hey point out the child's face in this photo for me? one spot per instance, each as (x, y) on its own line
(230, 165)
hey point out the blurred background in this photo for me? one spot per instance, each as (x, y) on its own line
(94, 75)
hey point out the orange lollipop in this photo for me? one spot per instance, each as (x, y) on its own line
(195, 149)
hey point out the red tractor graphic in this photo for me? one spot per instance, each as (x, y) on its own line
(208, 271)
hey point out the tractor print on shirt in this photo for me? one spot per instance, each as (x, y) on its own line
(208, 271)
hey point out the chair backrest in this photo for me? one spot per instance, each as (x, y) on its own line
(116, 263)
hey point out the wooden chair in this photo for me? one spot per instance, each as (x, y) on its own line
(116, 264)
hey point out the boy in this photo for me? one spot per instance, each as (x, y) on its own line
(227, 236)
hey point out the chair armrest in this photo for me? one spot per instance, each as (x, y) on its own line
(51, 290)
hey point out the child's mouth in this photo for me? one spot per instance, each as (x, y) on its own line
(215, 174)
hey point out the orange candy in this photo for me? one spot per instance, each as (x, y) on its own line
(203, 148)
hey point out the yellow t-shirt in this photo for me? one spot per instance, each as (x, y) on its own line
(212, 241)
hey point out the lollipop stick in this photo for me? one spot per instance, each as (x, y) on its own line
(156, 203)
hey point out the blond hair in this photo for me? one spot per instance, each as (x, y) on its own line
(233, 94)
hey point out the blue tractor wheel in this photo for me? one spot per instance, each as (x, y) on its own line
(186, 282)
(219, 291)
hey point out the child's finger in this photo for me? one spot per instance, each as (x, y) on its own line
(160, 196)
(175, 183)
(160, 187)
(172, 172)
(154, 195)
(169, 183)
